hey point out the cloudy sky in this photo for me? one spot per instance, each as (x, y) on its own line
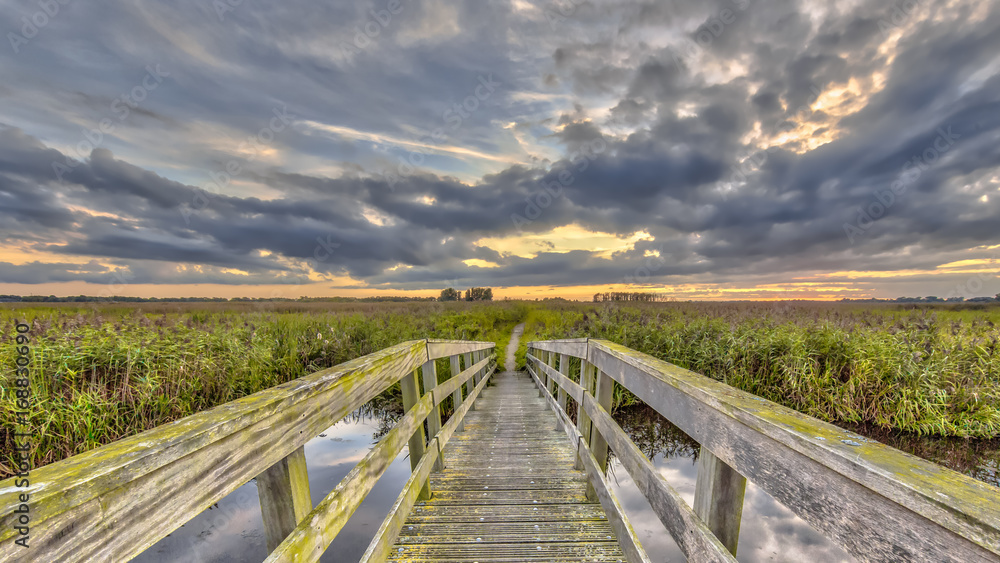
(707, 149)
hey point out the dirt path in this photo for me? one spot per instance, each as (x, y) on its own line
(515, 337)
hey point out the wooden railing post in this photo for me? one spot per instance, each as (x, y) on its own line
(604, 395)
(718, 498)
(587, 382)
(477, 356)
(560, 395)
(456, 397)
(540, 356)
(547, 358)
(563, 369)
(411, 394)
(467, 359)
(429, 373)
(283, 489)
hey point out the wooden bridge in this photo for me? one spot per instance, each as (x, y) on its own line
(516, 473)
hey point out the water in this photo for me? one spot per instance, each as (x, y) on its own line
(769, 531)
(232, 530)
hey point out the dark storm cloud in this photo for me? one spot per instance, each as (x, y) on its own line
(673, 113)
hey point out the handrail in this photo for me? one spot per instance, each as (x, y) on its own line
(113, 502)
(381, 544)
(627, 538)
(878, 503)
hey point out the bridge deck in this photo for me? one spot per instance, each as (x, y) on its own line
(509, 491)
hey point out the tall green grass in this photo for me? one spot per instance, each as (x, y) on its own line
(932, 371)
(101, 374)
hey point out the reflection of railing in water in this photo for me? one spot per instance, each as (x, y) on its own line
(113, 502)
(877, 503)
(385, 412)
(979, 459)
(654, 435)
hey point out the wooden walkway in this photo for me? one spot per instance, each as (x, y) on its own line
(509, 491)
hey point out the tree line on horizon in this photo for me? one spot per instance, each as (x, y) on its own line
(639, 296)
(471, 294)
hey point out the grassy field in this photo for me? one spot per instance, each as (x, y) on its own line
(99, 375)
(102, 373)
(930, 370)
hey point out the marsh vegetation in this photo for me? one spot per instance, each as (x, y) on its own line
(100, 373)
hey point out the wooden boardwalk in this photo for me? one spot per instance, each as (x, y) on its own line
(509, 491)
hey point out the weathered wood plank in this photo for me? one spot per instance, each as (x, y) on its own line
(428, 373)
(520, 532)
(437, 349)
(576, 347)
(456, 399)
(467, 362)
(510, 553)
(378, 549)
(452, 426)
(877, 502)
(317, 530)
(283, 489)
(564, 374)
(718, 498)
(508, 513)
(627, 538)
(457, 381)
(530, 489)
(113, 502)
(389, 530)
(411, 396)
(572, 388)
(692, 535)
(587, 372)
(604, 395)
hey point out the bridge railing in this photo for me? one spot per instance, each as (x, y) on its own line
(114, 502)
(876, 502)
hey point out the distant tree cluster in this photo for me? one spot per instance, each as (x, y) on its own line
(471, 294)
(629, 296)
(479, 294)
(450, 294)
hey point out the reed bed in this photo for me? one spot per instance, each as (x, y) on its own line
(926, 370)
(99, 374)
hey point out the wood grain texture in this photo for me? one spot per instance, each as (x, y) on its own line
(587, 371)
(877, 502)
(597, 487)
(695, 539)
(410, 388)
(718, 498)
(437, 349)
(111, 503)
(428, 373)
(509, 492)
(283, 489)
(603, 394)
(576, 347)
(379, 547)
(467, 362)
(572, 388)
(456, 398)
(317, 530)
